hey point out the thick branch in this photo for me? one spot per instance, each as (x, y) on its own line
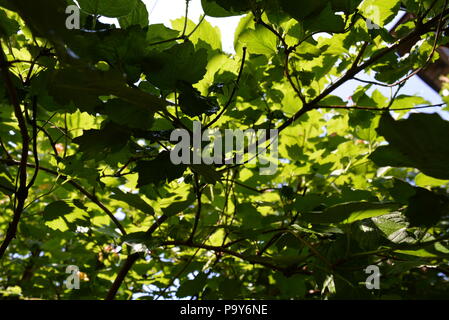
(22, 192)
(132, 258)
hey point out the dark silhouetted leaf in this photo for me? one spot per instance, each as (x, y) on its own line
(159, 170)
(56, 209)
(421, 142)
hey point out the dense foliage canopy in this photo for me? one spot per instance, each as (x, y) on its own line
(86, 179)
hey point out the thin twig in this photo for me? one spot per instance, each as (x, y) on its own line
(130, 260)
(234, 91)
(353, 71)
(75, 184)
(198, 211)
(380, 109)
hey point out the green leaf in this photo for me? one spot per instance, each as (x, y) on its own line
(259, 41)
(84, 87)
(402, 191)
(347, 6)
(108, 8)
(249, 214)
(138, 16)
(204, 35)
(393, 226)
(307, 202)
(426, 208)
(8, 27)
(421, 142)
(211, 8)
(159, 32)
(229, 288)
(96, 144)
(302, 10)
(192, 287)
(159, 170)
(418, 253)
(422, 180)
(6, 187)
(140, 241)
(380, 11)
(136, 237)
(193, 104)
(180, 63)
(350, 212)
(127, 114)
(208, 172)
(46, 18)
(56, 209)
(232, 7)
(325, 21)
(132, 200)
(179, 206)
(332, 101)
(293, 286)
(123, 49)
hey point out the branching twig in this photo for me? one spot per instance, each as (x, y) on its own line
(234, 91)
(75, 184)
(198, 210)
(129, 262)
(354, 70)
(250, 259)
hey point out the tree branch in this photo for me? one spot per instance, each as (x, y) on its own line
(129, 262)
(198, 210)
(234, 91)
(380, 109)
(251, 259)
(75, 184)
(22, 192)
(353, 71)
